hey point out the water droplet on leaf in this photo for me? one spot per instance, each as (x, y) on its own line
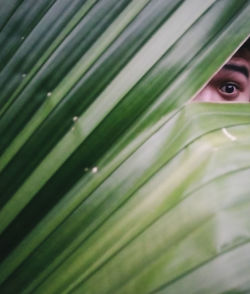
(95, 170)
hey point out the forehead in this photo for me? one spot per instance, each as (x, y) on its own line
(238, 64)
(236, 67)
(241, 57)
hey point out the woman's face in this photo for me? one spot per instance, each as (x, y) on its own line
(231, 83)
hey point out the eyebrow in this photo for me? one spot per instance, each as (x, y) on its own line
(237, 68)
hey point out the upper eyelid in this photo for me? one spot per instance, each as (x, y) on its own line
(233, 83)
(218, 82)
(240, 86)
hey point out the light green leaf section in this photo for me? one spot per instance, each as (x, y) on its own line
(110, 181)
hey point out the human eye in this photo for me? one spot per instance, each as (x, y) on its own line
(229, 90)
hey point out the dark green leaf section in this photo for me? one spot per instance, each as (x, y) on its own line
(35, 45)
(106, 186)
(20, 24)
(7, 10)
(61, 119)
(48, 77)
(124, 114)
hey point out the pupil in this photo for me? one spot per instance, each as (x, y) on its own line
(230, 88)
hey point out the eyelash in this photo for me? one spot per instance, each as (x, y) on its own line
(229, 83)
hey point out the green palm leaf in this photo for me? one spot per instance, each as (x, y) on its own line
(110, 183)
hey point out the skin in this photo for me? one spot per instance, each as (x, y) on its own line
(231, 83)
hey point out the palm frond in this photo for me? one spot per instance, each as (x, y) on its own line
(110, 182)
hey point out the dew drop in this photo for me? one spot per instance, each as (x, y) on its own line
(22, 38)
(23, 75)
(49, 94)
(94, 170)
(75, 118)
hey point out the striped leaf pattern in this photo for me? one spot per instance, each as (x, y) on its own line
(110, 182)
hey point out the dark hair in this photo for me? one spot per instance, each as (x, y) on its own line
(246, 44)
